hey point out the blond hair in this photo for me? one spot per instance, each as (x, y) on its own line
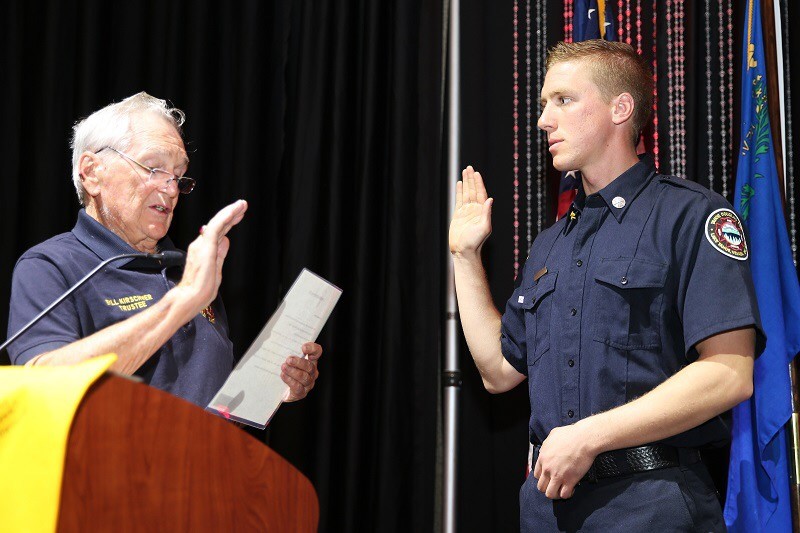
(616, 68)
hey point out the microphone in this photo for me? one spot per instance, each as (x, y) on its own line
(168, 258)
(165, 259)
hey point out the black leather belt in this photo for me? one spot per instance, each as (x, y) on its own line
(639, 459)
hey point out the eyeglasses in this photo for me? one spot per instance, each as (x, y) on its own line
(158, 175)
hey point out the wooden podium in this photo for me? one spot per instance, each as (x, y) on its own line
(139, 459)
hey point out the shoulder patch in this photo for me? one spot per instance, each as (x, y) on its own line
(725, 233)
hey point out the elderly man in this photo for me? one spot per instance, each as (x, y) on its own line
(633, 320)
(165, 326)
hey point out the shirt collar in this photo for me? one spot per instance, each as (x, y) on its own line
(104, 242)
(627, 186)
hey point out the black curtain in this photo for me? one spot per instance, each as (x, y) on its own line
(326, 117)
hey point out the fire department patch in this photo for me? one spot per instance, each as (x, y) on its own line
(725, 233)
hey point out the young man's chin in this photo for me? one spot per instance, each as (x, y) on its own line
(561, 166)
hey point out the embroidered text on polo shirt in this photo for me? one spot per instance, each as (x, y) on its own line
(130, 303)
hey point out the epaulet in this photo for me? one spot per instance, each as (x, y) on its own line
(686, 184)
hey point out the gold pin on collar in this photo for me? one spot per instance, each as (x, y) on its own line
(209, 315)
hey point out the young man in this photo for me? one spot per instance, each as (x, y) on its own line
(634, 318)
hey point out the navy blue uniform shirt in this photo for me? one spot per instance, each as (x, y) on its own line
(614, 297)
(193, 364)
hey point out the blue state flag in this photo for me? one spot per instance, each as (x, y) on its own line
(758, 479)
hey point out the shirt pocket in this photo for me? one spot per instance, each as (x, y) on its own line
(538, 305)
(627, 301)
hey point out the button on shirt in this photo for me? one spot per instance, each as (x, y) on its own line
(611, 302)
(194, 362)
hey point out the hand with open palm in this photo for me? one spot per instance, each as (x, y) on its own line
(472, 218)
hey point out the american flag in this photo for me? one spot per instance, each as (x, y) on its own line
(592, 19)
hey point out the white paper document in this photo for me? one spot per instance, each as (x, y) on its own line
(254, 390)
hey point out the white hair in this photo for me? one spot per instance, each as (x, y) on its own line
(110, 126)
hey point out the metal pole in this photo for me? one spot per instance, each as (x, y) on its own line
(451, 374)
(793, 438)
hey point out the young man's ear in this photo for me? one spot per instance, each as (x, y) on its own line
(622, 110)
(89, 165)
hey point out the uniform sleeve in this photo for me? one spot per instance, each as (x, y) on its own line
(35, 284)
(512, 331)
(716, 292)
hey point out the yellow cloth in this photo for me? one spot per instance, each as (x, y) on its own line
(37, 405)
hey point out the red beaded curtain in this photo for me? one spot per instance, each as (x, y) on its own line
(530, 199)
(692, 132)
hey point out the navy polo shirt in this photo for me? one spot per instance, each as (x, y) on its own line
(193, 364)
(614, 297)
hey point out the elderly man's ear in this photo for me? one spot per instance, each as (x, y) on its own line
(89, 165)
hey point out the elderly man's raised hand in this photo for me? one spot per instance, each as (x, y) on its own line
(202, 274)
(472, 218)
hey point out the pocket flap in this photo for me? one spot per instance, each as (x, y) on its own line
(631, 273)
(532, 295)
